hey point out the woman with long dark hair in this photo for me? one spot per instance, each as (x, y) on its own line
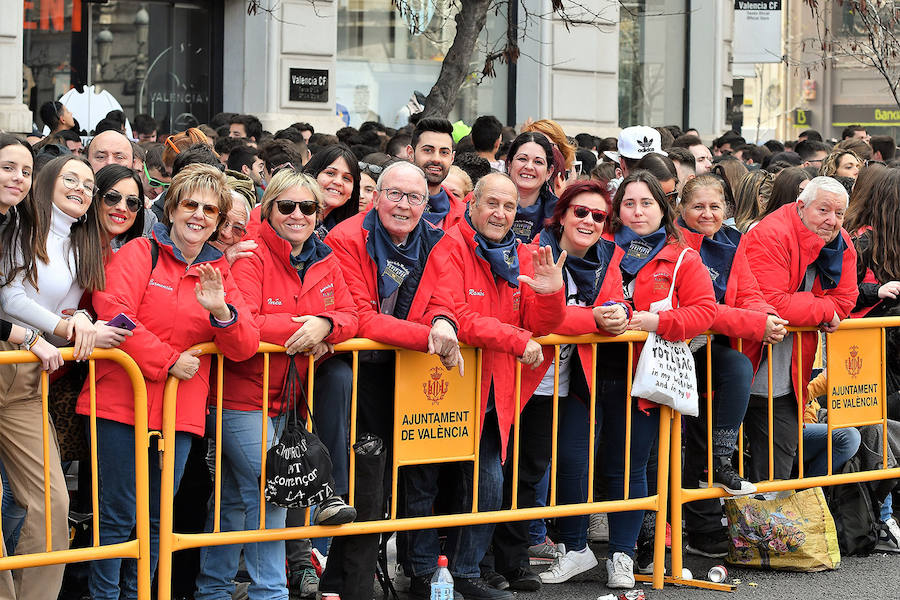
(787, 186)
(530, 166)
(336, 169)
(120, 203)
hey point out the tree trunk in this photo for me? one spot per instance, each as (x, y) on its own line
(469, 22)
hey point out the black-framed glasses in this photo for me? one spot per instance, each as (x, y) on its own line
(287, 207)
(373, 169)
(395, 195)
(153, 182)
(580, 211)
(113, 197)
(72, 182)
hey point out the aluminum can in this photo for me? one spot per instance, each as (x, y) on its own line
(717, 574)
(637, 594)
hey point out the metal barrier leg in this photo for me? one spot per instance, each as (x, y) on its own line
(676, 501)
(666, 426)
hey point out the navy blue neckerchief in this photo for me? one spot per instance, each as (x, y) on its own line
(639, 250)
(438, 207)
(313, 251)
(587, 272)
(329, 222)
(396, 264)
(530, 219)
(830, 261)
(207, 253)
(718, 253)
(502, 256)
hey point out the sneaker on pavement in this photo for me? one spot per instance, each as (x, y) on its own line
(304, 584)
(620, 572)
(543, 553)
(888, 537)
(598, 528)
(420, 587)
(725, 477)
(494, 579)
(333, 511)
(477, 589)
(523, 580)
(711, 545)
(570, 564)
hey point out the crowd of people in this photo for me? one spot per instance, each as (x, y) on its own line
(424, 238)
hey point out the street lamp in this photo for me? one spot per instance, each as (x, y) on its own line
(104, 41)
(141, 30)
(142, 26)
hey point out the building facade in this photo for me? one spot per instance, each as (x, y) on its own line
(333, 62)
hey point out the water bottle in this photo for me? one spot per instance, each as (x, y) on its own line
(442, 581)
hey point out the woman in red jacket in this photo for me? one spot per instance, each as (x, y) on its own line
(178, 291)
(742, 313)
(297, 297)
(643, 227)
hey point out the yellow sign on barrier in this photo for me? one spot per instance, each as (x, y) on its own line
(434, 413)
(855, 376)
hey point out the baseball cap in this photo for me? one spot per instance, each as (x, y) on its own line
(636, 142)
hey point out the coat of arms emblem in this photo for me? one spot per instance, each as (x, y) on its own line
(853, 362)
(436, 388)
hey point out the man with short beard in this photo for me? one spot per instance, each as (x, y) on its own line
(431, 149)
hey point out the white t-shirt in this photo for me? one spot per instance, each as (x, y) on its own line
(566, 351)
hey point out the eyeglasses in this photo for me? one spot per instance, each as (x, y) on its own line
(287, 207)
(373, 169)
(673, 195)
(237, 230)
(581, 212)
(210, 211)
(113, 197)
(153, 181)
(73, 183)
(171, 144)
(395, 195)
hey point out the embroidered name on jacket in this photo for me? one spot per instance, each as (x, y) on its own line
(639, 249)
(474, 292)
(396, 271)
(273, 301)
(155, 283)
(661, 282)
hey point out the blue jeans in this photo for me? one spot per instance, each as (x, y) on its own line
(115, 468)
(572, 467)
(466, 546)
(13, 515)
(537, 529)
(844, 444)
(241, 469)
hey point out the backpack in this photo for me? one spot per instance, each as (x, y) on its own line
(854, 512)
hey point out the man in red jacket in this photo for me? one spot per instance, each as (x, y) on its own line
(396, 266)
(504, 295)
(431, 149)
(806, 267)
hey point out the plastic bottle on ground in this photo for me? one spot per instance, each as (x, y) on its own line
(442, 581)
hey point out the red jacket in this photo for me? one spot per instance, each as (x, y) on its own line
(274, 294)
(744, 311)
(457, 211)
(499, 318)
(169, 321)
(579, 320)
(780, 249)
(432, 298)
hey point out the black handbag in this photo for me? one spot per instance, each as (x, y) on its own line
(298, 465)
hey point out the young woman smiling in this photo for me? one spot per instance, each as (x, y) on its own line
(530, 166)
(336, 170)
(119, 196)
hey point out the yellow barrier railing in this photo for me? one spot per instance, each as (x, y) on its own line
(171, 541)
(138, 548)
(681, 495)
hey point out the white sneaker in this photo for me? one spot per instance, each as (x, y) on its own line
(598, 528)
(889, 537)
(570, 564)
(620, 572)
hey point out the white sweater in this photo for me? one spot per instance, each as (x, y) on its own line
(42, 309)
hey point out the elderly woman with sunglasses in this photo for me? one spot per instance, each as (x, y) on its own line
(178, 291)
(296, 294)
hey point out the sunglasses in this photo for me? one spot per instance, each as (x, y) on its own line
(282, 167)
(287, 207)
(373, 169)
(210, 211)
(154, 182)
(113, 197)
(581, 212)
(170, 142)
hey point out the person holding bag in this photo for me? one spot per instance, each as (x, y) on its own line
(742, 313)
(643, 227)
(297, 297)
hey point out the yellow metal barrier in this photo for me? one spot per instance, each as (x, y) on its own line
(138, 548)
(170, 541)
(680, 495)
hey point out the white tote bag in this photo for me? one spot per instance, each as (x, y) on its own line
(666, 373)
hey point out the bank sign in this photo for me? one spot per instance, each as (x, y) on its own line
(867, 116)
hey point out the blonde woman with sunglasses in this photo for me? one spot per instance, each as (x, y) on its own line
(173, 289)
